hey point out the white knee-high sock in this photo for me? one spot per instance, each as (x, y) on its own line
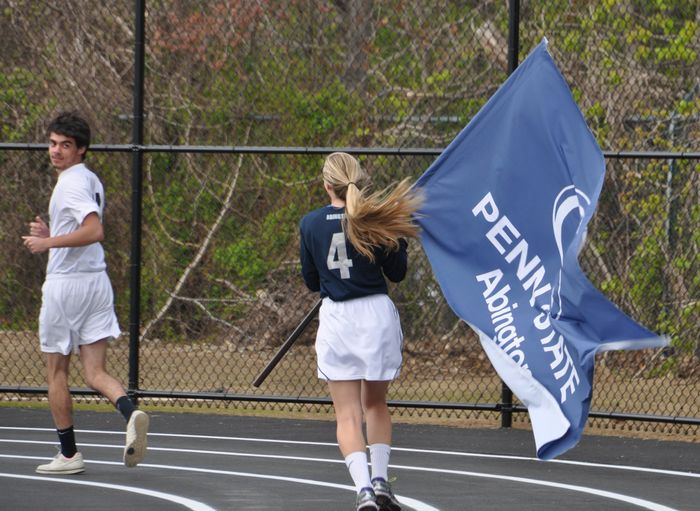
(359, 470)
(379, 455)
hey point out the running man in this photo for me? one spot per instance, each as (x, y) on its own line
(77, 310)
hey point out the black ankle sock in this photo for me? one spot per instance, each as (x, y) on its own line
(125, 406)
(67, 439)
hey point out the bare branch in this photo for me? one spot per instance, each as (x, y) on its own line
(202, 249)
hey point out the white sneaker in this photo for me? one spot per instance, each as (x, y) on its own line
(136, 432)
(62, 465)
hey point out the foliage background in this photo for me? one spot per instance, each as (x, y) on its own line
(220, 273)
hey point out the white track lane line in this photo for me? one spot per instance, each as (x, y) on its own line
(417, 505)
(393, 448)
(189, 451)
(560, 462)
(645, 504)
(178, 435)
(188, 503)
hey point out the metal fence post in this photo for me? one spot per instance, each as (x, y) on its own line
(136, 196)
(513, 49)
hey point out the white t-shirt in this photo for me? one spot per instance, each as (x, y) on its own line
(77, 193)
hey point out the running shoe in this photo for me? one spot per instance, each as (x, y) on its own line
(136, 433)
(366, 501)
(385, 497)
(62, 465)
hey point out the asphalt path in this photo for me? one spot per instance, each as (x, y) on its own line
(215, 462)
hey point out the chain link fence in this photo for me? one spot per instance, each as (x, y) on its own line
(249, 87)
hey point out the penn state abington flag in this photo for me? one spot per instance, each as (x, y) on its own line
(505, 215)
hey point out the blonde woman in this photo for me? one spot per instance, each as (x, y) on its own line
(347, 249)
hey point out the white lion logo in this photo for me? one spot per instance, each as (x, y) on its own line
(569, 200)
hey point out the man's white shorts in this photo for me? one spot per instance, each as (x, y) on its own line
(359, 339)
(76, 309)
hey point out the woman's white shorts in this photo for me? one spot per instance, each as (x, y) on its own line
(76, 309)
(359, 339)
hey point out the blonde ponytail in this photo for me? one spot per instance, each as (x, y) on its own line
(377, 220)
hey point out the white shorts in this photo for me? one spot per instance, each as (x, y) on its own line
(359, 339)
(76, 309)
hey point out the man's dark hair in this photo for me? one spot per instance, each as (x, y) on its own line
(71, 124)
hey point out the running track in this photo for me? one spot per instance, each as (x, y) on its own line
(213, 462)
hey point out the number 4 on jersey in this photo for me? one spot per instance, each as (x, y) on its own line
(341, 262)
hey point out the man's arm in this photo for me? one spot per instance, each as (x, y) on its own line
(39, 228)
(89, 232)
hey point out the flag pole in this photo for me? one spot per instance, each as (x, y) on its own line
(287, 344)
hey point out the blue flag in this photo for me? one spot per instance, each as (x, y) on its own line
(505, 215)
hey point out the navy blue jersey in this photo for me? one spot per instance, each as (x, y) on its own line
(331, 265)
